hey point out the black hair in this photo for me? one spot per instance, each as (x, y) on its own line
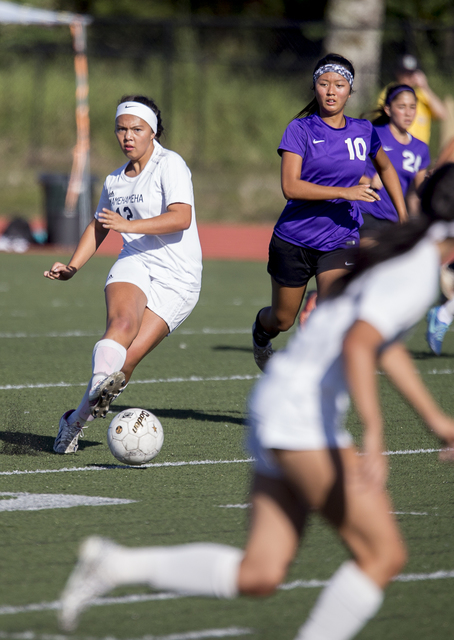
(437, 204)
(148, 102)
(379, 117)
(330, 58)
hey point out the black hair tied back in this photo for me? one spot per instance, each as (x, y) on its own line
(437, 204)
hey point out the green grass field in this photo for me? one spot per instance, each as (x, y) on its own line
(197, 382)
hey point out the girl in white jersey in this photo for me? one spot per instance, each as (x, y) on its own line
(155, 283)
(305, 458)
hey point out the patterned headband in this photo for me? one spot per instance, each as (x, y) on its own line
(335, 68)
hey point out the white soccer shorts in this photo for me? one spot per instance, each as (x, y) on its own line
(171, 302)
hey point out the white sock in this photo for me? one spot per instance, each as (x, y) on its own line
(349, 601)
(203, 569)
(446, 312)
(108, 357)
(83, 413)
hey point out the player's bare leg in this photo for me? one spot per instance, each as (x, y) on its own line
(333, 481)
(326, 279)
(270, 321)
(277, 521)
(152, 331)
(126, 304)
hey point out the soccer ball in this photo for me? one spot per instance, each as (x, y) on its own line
(135, 436)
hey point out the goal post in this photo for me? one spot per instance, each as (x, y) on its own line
(79, 186)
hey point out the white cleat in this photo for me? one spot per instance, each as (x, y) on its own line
(101, 397)
(67, 440)
(261, 354)
(88, 581)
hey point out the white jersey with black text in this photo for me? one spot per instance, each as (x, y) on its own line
(174, 258)
(301, 401)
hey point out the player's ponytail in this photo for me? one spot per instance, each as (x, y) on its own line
(437, 207)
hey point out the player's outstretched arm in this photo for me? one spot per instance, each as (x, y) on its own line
(91, 238)
(176, 218)
(390, 179)
(399, 367)
(360, 360)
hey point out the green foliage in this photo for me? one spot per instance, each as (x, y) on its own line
(429, 10)
(226, 95)
(226, 125)
(292, 9)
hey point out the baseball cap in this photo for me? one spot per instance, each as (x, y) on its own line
(407, 63)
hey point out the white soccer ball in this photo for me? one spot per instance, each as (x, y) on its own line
(135, 436)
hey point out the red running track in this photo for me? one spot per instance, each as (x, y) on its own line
(219, 241)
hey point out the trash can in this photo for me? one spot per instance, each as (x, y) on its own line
(62, 227)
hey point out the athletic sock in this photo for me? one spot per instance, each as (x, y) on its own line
(344, 606)
(446, 312)
(262, 337)
(83, 413)
(203, 569)
(108, 357)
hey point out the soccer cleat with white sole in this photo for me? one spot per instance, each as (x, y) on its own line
(89, 580)
(261, 354)
(67, 440)
(101, 397)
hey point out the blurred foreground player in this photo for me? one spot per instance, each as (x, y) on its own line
(305, 459)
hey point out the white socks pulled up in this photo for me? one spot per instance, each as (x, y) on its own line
(108, 357)
(203, 569)
(349, 601)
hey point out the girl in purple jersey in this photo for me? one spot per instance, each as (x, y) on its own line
(324, 157)
(409, 156)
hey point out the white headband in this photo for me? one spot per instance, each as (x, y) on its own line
(140, 110)
(335, 68)
(441, 230)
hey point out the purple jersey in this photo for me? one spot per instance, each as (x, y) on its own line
(332, 158)
(407, 160)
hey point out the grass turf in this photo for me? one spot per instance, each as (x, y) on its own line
(47, 332)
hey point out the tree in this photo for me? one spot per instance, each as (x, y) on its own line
(355, 31)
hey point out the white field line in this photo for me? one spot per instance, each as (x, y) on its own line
(182, 463)
(229, 632)
(190, 463)
(440, 372)
(54, 385)
(411, 513)
(90, 334)
(403, 577)
(248, 505)
(131, 599)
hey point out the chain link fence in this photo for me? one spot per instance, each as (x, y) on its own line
(226, 88)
